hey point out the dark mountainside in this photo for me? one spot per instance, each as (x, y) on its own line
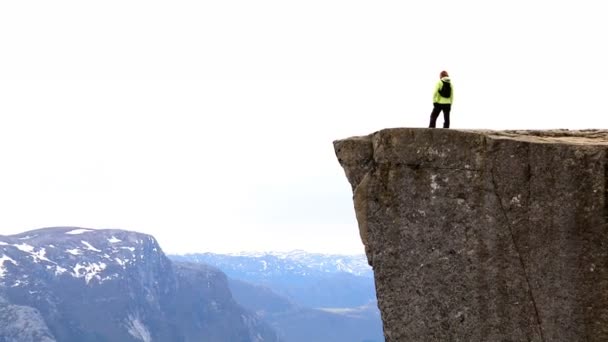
(353, 316)
(484, 235)
(81, 285)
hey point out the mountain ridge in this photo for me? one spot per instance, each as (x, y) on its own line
(111, 284)
(355, 264)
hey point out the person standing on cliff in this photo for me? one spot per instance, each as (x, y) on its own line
(442, 100)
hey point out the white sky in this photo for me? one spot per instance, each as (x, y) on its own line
(209, 124)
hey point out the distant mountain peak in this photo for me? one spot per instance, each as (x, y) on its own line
(286, 254)
(296, 262)
(93, 255)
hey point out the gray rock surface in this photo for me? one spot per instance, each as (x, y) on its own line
(22, 323)
(484, 235)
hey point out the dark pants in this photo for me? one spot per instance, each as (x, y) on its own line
(437, 108)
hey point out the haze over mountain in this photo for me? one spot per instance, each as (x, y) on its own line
(308, 279)
(304, 296)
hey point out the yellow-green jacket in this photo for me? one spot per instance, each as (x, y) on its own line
(440, 99)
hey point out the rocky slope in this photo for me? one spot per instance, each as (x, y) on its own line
(73, 284)
(484, 235)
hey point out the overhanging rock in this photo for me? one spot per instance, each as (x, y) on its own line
(484, 235)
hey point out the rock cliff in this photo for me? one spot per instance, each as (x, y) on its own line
(484, 235)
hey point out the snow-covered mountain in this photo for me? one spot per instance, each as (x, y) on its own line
(294, 263)
(72, 284)
(305, 262)
(92, 257)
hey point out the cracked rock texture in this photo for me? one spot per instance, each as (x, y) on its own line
(484, 235)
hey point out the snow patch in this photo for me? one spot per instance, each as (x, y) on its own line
(60, 270)
(108, 277)
(121, 262)
(3, 259)
(37, 256)
(27, 237)
(137, 329)
(78, 231)
(73, 251)
(2, 243)
(113, 239)
(19, 283)
(24, 247)
(132, 249)
(89, 247)
(250, 254)
(88, 271)
(40, 255)
(343, 267)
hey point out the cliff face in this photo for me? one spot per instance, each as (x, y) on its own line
(484, 235)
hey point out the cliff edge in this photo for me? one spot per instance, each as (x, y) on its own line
(484, 235)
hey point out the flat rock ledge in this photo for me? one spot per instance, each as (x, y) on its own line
(484, 235)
